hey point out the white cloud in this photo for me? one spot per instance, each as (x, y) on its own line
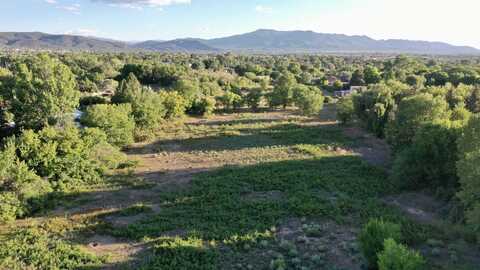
(140, 4)
(263, 9)
(74, 8)
(51, 1)
(82, 32)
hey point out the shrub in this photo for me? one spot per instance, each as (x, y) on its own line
(115, 120)
(53, 159)
(61, 155)
(174, 103)
(21, 190)
(203, 106)
(308, 99)
(230, 100)
(398, 257)
(345, 110)
(35, 249)
(373, 236)
(179, 254)
(92, 100)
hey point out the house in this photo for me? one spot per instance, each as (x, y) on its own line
(331, 80)
(353, 89)
(342, 93)
(358, 88)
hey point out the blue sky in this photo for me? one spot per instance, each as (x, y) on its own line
(434, 20)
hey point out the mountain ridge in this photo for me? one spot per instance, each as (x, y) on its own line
(259, 41)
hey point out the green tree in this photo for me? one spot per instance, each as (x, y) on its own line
(148, 111)
(230, 100)
(414, 112)
(357, 78)
(308, 99)
(127, 90)
(375, 107)
(254, 97)
(417, 81)
(430, 161)
(473, 101)
(468, 171)
(372, 75)
(21, 190)
(174, 103)
(43, 92)
(282, 94)
(115, 120)
(345, 109)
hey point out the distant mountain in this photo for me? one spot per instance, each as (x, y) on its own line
(307, 41)
(260, 41)
(37, 40)
(178, 45)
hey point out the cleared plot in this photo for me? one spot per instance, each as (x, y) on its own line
(243, 191)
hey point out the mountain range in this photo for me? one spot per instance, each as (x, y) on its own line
(260, 41)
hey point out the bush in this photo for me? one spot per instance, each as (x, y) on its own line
(308, 99)
(174, 103)
(35, 249)
(115, 120)
(52, 159)
(92, 100)
(203, 106)
(179, 254)
(398, 257)
(21, 190)
(60, 155)
(373, 236)
(345, 110)
(230, 100)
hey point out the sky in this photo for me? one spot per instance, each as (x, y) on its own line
(449, 21)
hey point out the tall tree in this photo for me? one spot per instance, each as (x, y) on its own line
(43, 91)
(127, 90)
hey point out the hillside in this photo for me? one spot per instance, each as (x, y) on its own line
(178, 45)
(308, 41)
(37, 40)
(260, 41)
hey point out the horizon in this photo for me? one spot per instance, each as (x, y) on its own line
(142, 20)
